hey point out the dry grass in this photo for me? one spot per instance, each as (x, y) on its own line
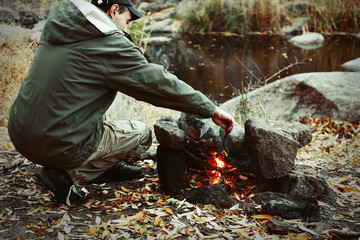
(15, 59)
(247, 16)
(336, 15)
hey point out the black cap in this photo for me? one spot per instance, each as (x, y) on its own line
(135, 14)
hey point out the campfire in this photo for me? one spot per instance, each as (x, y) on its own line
(202, 166)
(199, 156)
(189, 163)
(221, 173)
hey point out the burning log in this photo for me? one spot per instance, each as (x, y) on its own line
(196, 162)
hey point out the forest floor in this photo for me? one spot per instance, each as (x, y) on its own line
(138, 210)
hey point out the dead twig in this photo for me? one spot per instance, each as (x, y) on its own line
(259, 82)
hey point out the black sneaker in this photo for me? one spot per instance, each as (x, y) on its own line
(60, 184)
(119, 172)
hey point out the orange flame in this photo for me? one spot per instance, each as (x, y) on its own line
(217, 161)
(215, 176)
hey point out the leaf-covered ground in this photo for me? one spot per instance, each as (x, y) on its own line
(138, 210)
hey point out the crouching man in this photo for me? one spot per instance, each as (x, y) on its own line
(84, 57)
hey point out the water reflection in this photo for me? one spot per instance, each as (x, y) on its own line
(212, 64)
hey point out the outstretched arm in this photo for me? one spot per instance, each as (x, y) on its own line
(223, 119)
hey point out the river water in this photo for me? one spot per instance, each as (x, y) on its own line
(216, 65)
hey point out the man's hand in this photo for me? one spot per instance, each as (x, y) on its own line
(223, 119)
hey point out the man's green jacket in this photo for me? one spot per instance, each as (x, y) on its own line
(83, 59)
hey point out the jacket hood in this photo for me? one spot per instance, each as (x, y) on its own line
(68, 22)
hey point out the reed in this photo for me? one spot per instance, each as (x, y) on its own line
(336, 16)
(249, 16)
(139, 33)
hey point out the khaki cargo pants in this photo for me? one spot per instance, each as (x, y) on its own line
(123, 138)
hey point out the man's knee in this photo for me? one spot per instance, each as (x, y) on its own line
(146, 138)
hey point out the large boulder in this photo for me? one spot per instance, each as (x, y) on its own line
(329, 94)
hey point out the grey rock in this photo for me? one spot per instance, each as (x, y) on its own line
(194, 126)
(218, 195)
(235, 141)
(169, 134)
(9, 14)
(329, 94)
(17, 31)
(161, 26)
(144, 6)
(288, 207)
(273, 145)
(302, 181)
(276, 226)
(184, 6)
(7, 30)
(308, 40)
(300, 132)
(158, 39)
(297, 26)
(154, 6)
(353, 65)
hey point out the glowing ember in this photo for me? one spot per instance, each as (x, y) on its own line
(215, 176)
(217, 161)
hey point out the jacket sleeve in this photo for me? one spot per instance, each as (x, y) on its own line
(130, 73)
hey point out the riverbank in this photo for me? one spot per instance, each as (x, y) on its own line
(139, 210)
